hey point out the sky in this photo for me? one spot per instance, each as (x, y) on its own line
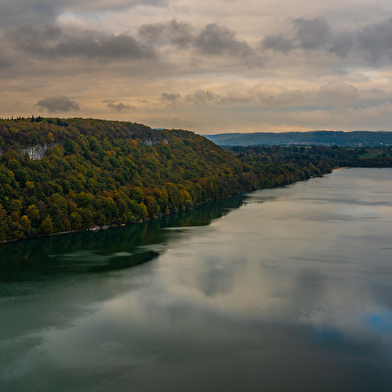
(211, 67)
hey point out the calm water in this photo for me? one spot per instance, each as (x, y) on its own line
(286, 289)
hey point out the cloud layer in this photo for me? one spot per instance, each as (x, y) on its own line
(210, 67)
(370, 44)
(58, 103)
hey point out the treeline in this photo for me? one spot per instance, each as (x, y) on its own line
(32, 254)
(318, 156)
(102, 173)
(105, 173)
(18, 132)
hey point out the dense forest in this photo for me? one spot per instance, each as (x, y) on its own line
(303, 156)
(327, 138)
(102, 173)
(96, 173)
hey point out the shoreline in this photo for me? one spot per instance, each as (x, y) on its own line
(96, 228)
(343, 167)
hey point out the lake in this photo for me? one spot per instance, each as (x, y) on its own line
(284, 289)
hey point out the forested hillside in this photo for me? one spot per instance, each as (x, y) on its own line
(304, 156)
(327, 138)
(100, 173)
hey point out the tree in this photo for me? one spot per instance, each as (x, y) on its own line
(32, 213)
(76, 221)
(3, 214)
(69, 146)
(46, 226)
(25, 224)
(151, 206)
(137, 194)
(16, 206)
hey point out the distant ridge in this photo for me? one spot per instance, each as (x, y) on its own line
(338, 138)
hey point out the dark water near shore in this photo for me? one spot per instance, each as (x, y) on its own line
(286, 289)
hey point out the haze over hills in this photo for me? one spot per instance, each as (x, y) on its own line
(338, 138)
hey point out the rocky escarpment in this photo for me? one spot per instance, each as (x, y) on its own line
(38, 151)
(34, 152)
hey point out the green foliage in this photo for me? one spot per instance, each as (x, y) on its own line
(104, 173)
(99, 172)
(46, 226)
(326, 138)
(309, 158)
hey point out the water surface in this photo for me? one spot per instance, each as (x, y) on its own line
(285, 289)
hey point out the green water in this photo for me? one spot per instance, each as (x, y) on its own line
(285, 289)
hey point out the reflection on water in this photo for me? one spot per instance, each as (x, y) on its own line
(288, 289)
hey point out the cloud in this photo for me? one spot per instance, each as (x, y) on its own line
(312, 34)
(376, 41)
(215, 40)
(370, 43)
(22, 12)
(57, 103)
(342, 44)
(53, 42)
(202, 63)
(179, 34)
(340, 93)
(212, 40)
(275, 95)
(201, 97)
(34, 12)
(238, 97)
(278, 43)
(4, 63)
(266, 95)
(111, 104)
(309, 34)
(170, 98)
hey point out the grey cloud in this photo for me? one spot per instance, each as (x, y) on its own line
(309, 34)
(51, 41)
(238, 98)
(342, 44)
(212, 40)
(277, 42)
(341, 92)
(201, 97)
(377, 91)
(372, 43)
(118, 106)
(312, 34)
(341, 96)
(4, 63)
(216, 40)
(376, 40)
(170, 99)
(275, 96)
(179, 34)
(36, 12)
(58, 103)
(266, 95)
(18, 13)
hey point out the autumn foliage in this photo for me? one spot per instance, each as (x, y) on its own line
(99, 173)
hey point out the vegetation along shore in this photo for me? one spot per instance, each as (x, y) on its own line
(61, 175)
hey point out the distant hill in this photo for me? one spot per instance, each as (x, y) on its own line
(338, 138)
